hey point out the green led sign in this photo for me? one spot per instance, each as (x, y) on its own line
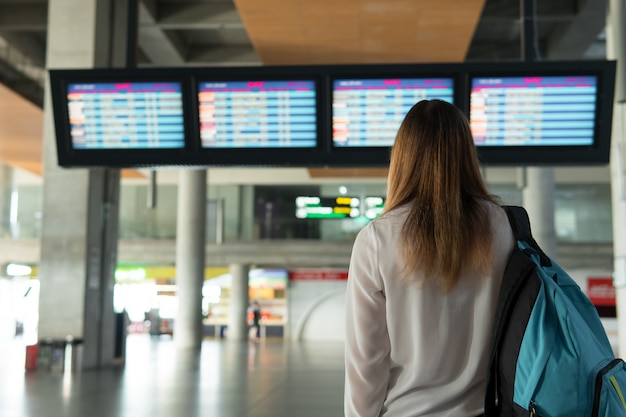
(327, 207)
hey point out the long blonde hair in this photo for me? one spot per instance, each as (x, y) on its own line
(434, 168)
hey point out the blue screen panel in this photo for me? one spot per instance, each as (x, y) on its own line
(368, 112)
(126, 115)
(258, 114)
(533, 111)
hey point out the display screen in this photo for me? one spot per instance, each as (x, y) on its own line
(126, 115)
(533, 111)
(327, 207)
(368, 112)
(258, 114)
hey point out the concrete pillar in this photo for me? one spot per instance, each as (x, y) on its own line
(246, 212)
(615, 32)
(539, 202)
(190, 252)
(80, 207)
(238, 310)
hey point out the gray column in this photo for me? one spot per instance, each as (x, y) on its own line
(238, 308)
(102, 228)
(246, 212)
(615, 32)
(80, 210)
(190, 252)
(539, 202)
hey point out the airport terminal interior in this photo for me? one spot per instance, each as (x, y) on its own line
(291, 226)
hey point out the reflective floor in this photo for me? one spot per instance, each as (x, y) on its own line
(271, 378)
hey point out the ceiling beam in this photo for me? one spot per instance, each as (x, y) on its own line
(23, 17)
(20, 84)
(28, 45)
(149, 9)
(190, 16)
(572, 40)
(161, 48)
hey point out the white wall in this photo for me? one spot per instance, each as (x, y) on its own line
(316, 310)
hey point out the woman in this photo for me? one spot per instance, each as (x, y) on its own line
(424, 277)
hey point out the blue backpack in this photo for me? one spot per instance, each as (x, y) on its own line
(550, 356)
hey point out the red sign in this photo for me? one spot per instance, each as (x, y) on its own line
(601, 291)
(318, 275)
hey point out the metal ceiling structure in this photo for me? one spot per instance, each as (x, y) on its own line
(270, 32)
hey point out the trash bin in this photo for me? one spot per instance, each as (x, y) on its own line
(121, 331)
(58, 355)
(31, 357)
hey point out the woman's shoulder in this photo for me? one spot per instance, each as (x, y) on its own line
(496, 212)
(500, 225)
(492, 208)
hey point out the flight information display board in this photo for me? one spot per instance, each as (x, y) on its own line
(126, 115)
(521, 113)
(258, 114)
(533, 111)
(368, 112)
(327, 207)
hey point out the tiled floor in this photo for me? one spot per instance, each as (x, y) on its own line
(226, 379)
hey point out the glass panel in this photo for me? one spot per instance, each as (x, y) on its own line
(138, 221)
(25, 217)
(583, 213)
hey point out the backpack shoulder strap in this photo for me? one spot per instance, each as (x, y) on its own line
(520, 224)
(515, 279)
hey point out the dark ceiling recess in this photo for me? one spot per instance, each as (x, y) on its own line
(30, 89)
(565, 29)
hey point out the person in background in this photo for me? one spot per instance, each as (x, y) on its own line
(255, 322)
(424, 278)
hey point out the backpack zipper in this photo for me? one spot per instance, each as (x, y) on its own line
(598, 388)
(533, 409)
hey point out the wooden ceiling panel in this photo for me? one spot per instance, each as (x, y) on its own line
(21, 131)
(344, 27)
(348, 172)
(360, 31)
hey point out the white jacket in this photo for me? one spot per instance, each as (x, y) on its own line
(413, 350)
